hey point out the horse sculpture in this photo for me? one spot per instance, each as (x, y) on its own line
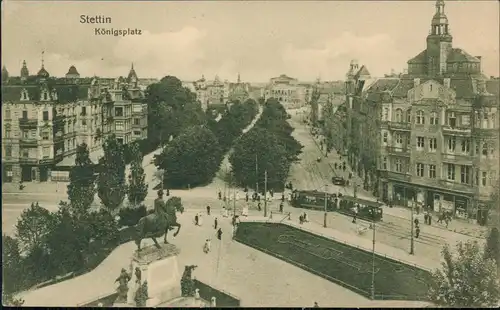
(160, 222)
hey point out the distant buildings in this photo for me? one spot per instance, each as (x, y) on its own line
(288, 91)
(429, 136)
(45, 118)
(210, 93)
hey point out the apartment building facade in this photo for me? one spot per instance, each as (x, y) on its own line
(429, 137)
(45, 118)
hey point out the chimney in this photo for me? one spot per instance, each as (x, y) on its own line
(447, 82)
(416, 82)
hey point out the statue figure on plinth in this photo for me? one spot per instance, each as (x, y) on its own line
(160, 222)
(122, 289)
(138, 275)
(187, 282)
(142, 295)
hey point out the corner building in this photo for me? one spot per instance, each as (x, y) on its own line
(436, 127)
(45, 118)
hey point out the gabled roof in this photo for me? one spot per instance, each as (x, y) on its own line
(419, 59)
(362, 71)
(459, 55)
(383, 84)
(65, 93)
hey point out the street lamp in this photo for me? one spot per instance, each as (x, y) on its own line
(412, 249)
(326, 205)
(373, 256)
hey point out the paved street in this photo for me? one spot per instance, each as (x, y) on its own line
(256, 278)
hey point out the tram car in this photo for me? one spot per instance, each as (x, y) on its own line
(366, 209)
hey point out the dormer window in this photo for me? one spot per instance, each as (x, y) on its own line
(45, 95)
(24, 95)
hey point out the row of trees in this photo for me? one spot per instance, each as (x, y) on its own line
(268, 145)
(76, 237)
(194, 157)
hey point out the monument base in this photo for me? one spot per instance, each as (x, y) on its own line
(160, 269)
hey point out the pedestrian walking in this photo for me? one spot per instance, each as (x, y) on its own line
(417, 231)
(207, 246)
(416, 222)
(430, 219)
(426, 217)
(216, 223)
(220, 195)
(283, 197)
(168, 192)
(259, 207)
(208, 210)
(301, 219)
(335, 165)
(196, 219)
(200, 220)
(219, 234)
(246, 197)
(281, 207)
(271, 192)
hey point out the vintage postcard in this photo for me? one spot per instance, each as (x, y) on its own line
(250, 154)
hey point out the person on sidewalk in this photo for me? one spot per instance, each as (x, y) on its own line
(281, 207)
(283, 197)
(430, 218)
(417, 231)
(355, 215)
(259, 206)
(426, 218)
(196, 219)
(216, 223)
(200, 220)
(220, 195)
(219, 234)
(207, 246)
(335, 165)
(208, 210)
(246, 197)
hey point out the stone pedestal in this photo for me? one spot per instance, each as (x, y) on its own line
(158, 267)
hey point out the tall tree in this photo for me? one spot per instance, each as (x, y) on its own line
(81, 189)
(11, 264)
(192, 158)
(34, 224)
(466, 280)
(492, 247)
(111, 186)
(137, 187)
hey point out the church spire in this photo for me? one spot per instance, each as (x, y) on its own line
(239, 79)
(439, 24)
(43, 64)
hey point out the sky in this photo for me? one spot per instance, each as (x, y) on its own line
(259, 40)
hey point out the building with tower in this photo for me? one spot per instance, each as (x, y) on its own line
(288, 91)
(44, 118)
(429, 137)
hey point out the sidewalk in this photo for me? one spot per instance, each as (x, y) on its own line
(457, 225)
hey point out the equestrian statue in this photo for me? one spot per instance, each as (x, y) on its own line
(160, 222)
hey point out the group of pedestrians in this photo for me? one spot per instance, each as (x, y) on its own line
(198, 221)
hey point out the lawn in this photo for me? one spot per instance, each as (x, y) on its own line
(337, 262)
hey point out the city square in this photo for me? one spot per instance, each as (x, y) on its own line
(132, 184)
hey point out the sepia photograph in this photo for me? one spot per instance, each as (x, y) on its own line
(224, 154)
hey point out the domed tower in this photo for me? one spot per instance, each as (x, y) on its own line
(72, 73)
(439, 42)
(24, 71)
(42, 73)
(5, 74)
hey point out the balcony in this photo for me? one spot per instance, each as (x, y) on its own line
(458, 187)
(26, 142)
(457, 131)
(27, 161)
(458, 158)
(399, 126)
(46, 161)
(28, 122)
(401, 151)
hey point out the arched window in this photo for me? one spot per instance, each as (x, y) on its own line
(399, 115)
(420, 119)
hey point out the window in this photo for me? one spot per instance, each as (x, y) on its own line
(8, 151)
(25, 114)
(84, 111)
(386, 114)
(45, 115)
(26, 153)
(46, 151)
(408, 116)
(420, 119)
(434, 118)
(465, 120)
(399, 139)
(484, 177)
(432, 171)
(385, 137)
(485, 149)
(420, 142)
(7, 133)
(466, 146)
(26, 134)
(119, 126)
(118, 111)
(119, 140)
(492, 177)
(137, 133)
(450, 169)
(464, 174)
(420, 169)
(452, 142)
(45, 135)
(399, 115)
(452, 119)
(137, 121)
(408, 141)
(84, 122)
(7, 114)
(399, 167)
(432, 144)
